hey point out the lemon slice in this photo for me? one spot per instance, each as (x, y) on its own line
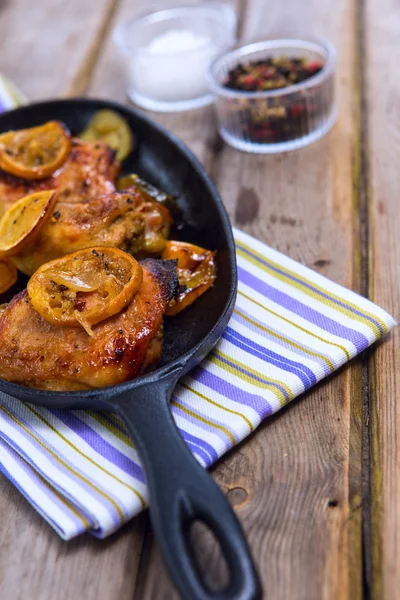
(196, 272)
(37, 152)
(109, 127)
(86, 287)
(23, 221)
(8, 275)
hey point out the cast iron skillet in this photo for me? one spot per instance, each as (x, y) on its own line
(180, 489)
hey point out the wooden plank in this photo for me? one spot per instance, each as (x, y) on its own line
(303, 514)
(35, 563)
(296, 484)
(382, 55)
(46, 48)
(42, 45)
(80, 82)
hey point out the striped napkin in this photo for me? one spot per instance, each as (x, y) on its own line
(291, 327)
(10, 97)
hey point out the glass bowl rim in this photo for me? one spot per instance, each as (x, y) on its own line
(164, 14)
(316, 45)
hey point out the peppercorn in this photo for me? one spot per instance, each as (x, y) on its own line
(277, 118)
(271, 73)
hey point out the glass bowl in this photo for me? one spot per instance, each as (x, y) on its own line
(281, 119)
(175, 80)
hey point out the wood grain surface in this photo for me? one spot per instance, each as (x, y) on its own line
(301, 484)
(44, 44)
(382, 133)
(296, 484)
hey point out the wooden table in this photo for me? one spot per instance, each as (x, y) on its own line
(317, 488)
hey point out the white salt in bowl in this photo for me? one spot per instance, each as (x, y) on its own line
(167, 54)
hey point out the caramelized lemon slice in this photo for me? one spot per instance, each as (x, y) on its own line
(109, 127)
(86, 287)
(8, 276)
(23, 220)
(196, 272)
(37, 152)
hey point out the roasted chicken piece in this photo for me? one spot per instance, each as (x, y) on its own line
(125, 220)
(37, 354)
(8, 275)
(88, 211)
(90, 171)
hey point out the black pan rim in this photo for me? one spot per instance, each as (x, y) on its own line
(13, 389)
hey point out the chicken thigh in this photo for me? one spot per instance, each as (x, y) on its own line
(88, 211)
(37, 354)
(125, 220)
(90, 170)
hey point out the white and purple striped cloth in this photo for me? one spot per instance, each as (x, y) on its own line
(291, 327)
(10, 97)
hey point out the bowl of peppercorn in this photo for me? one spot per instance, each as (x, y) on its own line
(276, 95)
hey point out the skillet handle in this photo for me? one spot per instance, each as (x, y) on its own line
(182, 492)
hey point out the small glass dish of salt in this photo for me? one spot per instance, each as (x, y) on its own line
(167, 54)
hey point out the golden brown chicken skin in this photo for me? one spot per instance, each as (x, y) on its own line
(36, 354)
(125, 220)
(88, 211)
(90, 170)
